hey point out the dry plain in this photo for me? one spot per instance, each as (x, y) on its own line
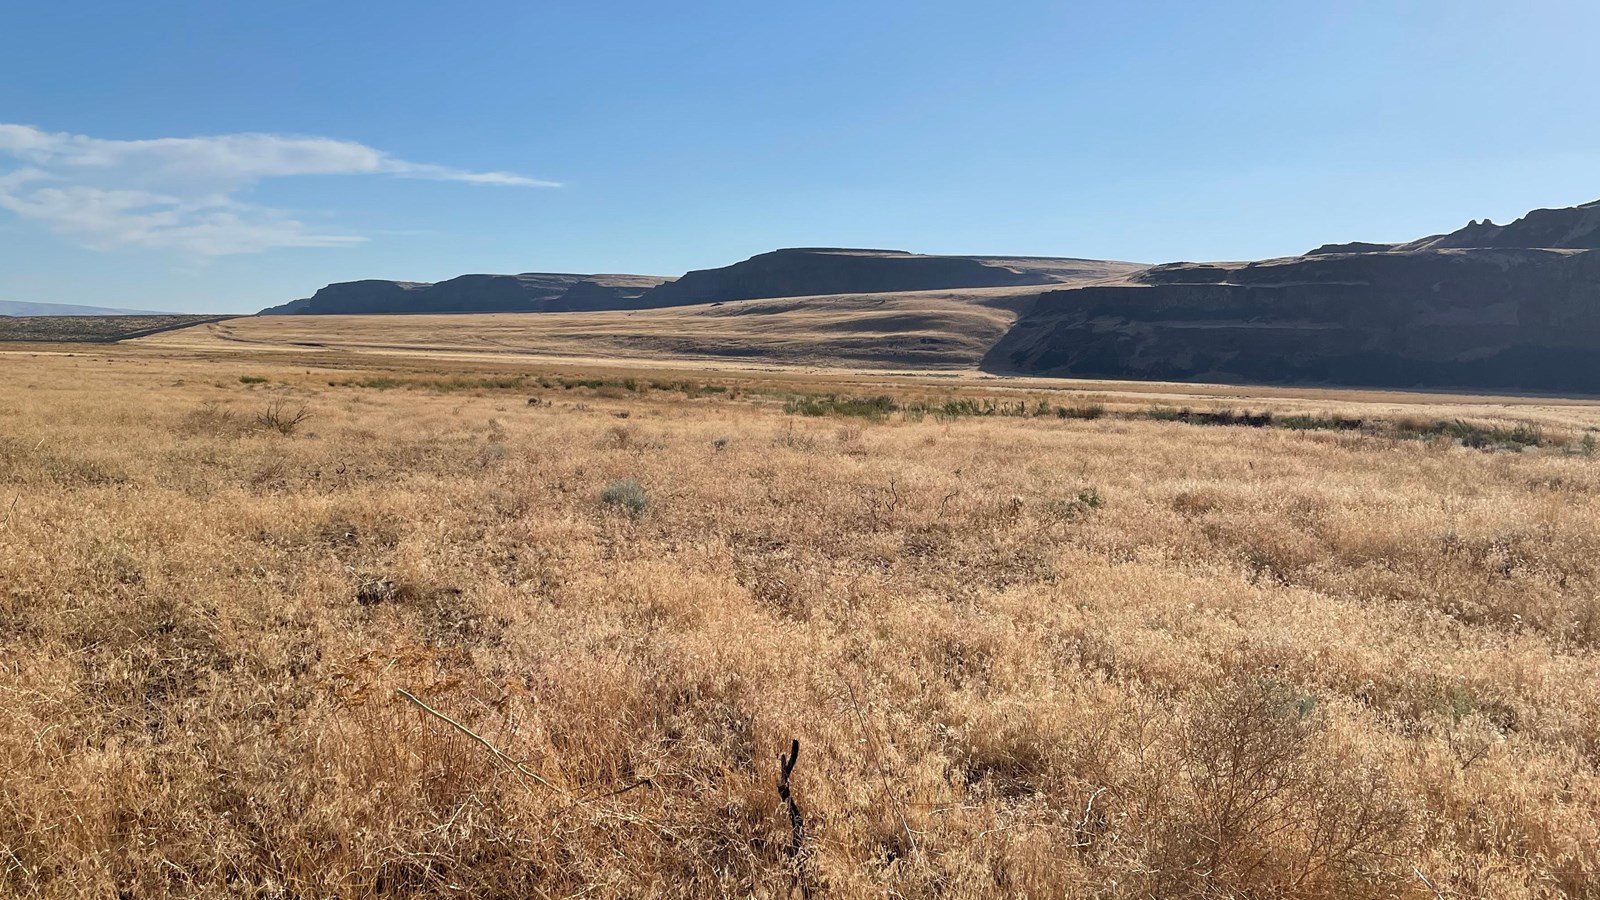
(510, 625)
(949, 330)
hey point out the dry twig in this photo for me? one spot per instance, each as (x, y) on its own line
(797, 823)
(480, 739)
(1431, 886)
(17, 498)
(877, 761)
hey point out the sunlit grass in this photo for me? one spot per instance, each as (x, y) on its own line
(1103, 653)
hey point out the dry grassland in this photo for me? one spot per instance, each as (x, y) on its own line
(1022, 656)
(924, 329)
(92, 329)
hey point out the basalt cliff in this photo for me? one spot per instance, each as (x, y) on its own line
(1488, 307)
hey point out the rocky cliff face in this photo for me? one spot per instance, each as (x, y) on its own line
(1573, 228)
(369, 296)
(494, 293)
(602, 292)
(1428, 314)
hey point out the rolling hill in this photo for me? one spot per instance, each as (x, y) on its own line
(934, 330)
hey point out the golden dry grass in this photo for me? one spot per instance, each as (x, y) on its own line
(923, 329)
(1028, 657)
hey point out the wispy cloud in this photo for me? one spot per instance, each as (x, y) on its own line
(180, 193)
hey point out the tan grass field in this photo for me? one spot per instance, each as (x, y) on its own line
(922, 330)
(1032, 655)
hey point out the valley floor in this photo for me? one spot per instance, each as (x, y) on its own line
(490, 627)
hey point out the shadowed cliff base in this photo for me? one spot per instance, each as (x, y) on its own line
(1487, 319)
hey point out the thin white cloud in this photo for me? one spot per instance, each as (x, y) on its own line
(178, 193)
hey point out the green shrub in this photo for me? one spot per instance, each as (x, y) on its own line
(628, 494)
(1304, 422)
(1086, 411)
(875, 408)
(1088, 500)
(1479, 437)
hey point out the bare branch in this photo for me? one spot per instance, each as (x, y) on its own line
(480, 739)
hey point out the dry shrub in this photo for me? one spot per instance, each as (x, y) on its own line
(282, 417)
(619, 437)
(1274, 805)
(212, 419)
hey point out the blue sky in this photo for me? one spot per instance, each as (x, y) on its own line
(227, 156)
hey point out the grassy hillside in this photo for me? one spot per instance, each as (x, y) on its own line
(929, 329)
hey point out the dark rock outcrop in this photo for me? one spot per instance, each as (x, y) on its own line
(494, 293)
(368, 296)
(1484, 308)
(1351, 247)
(602, 292)
(292, 308)
(1572, 228)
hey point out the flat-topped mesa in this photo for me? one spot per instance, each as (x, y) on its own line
(815, 271)
(1351, 247)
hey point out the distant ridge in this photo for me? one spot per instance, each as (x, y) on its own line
(23, 308)
(1486, 307)
(527, 292)
(1572, 228)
